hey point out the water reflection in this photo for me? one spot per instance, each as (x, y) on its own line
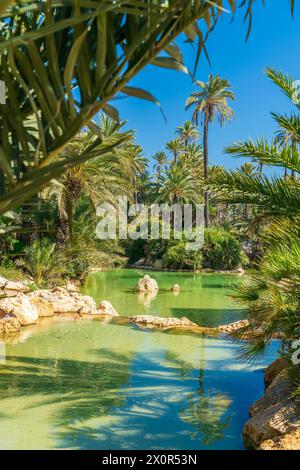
(87, 385)
(145, 298)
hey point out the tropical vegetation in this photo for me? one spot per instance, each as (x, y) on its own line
(271, 294)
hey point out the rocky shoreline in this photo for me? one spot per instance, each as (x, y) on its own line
(274, 422)
(20, 307)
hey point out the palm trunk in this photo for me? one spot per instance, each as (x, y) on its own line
(205, 154)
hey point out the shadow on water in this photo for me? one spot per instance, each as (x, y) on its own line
(210, 317)
(138, 402)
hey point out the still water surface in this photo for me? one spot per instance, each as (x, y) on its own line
(89, 385)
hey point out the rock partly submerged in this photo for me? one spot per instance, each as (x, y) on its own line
(146, 284)
(106, 308)
(151, 320)
(175, 288)
(20, 307)
(232, 327)
(9, 324)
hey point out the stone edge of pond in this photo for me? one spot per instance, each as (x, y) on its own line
(20, 307)
(274, 422)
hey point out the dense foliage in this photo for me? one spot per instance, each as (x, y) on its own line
(272, 293)
(63, 62)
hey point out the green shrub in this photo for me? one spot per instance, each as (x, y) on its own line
(221, 250)
(11, 272)
(178, 257)
(44, 263)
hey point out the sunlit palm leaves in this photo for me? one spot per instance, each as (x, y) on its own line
(179, 187)
(263, 152)
(271, 294)
(63, 61)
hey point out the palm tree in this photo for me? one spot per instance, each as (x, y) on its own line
(287, 133)
(96, 52)
(187, 133)
(161, 159)
(102, 178)
(178, 187)
(250, 170)
(143, 186)
(192, 159)
(175, 146)
(271, 294)
(209, 102)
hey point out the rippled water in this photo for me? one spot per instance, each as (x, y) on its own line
(89, 385)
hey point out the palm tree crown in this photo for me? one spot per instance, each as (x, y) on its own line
(211, 100)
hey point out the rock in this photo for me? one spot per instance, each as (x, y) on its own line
(21, 307)
(147, 284)
(240, 271)
(237, 325)
(72, 287)
(274, 421)
(140, 262)
(45, 308)
(160, 322)
(158, 264)
(106, 308)
(290, 441)
(277, 392)
(9, 324)
(3, 281)
(272, 417)
(14, 286)
(175, 288)
(274, 369)
(67, 302)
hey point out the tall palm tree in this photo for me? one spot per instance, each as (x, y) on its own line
(208, 103)
(94, 47)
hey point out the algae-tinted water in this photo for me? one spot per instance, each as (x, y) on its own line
(89, 385)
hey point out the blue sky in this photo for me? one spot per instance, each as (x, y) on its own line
(274, 41)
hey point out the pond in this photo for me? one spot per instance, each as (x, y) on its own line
(89, 385)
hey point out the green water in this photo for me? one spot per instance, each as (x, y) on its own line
(204, 298)
(89, 385)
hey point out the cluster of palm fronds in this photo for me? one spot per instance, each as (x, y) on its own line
(178, 177)
(272, 295)
(62, 62)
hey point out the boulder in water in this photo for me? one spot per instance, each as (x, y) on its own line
(9, 324)
(106, 308)
(160, 322)
(20, 307)
(44, 307)
(175, 288)
(147, 284)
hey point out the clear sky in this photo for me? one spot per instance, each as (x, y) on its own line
(274, 41)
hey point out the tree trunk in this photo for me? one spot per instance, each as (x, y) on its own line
(205, 154)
